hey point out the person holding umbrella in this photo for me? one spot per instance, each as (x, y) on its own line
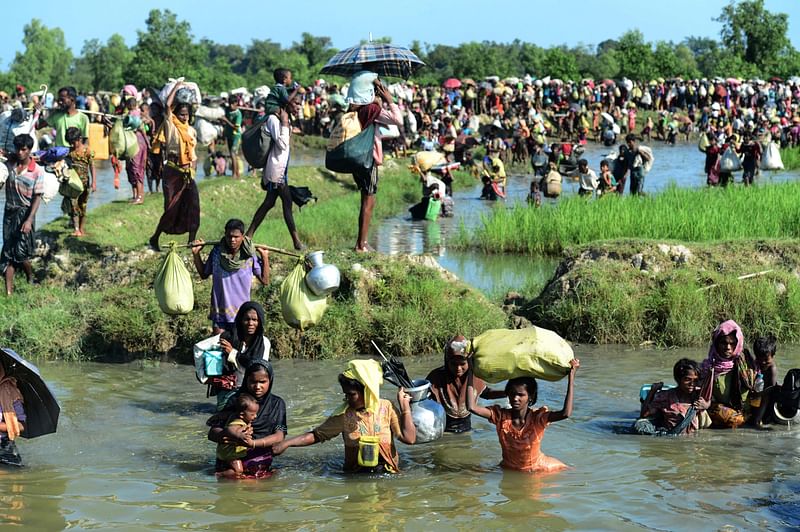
(12, 418)
(367, 97)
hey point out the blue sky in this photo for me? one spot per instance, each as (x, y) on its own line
(238, 22)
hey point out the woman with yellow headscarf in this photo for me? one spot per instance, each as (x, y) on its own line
(176, 141)
(367, 423)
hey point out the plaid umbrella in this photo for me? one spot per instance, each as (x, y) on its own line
(383, 59)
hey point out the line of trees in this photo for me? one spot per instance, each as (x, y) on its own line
(753, 43)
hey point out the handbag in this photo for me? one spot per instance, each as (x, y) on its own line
(256, 144)
(354, 154)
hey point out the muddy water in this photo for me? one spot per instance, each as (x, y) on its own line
(131, 453)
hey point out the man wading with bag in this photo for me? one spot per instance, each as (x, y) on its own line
(275, 179)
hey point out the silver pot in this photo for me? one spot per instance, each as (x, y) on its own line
(428, 415)
(323, 278)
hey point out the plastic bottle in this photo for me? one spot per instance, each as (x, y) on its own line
(759, 385)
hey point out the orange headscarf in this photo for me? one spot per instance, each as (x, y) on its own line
(176, 137)
(8, 394)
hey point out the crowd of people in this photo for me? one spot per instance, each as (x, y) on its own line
(728, 389)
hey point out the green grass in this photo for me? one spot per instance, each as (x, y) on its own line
(96, 301)
(687, 215)
(790, 158)
(604, 298)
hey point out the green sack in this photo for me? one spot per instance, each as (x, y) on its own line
(173, 285)
(352, 155)
(434, 208)
(72, 187)
(300, 307)
(502, 354)
(124, 144)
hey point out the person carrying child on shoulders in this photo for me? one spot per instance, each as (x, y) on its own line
(520, 428)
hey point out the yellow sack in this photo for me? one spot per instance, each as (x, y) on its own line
(173, 285)
(502, 354)
(300, 307)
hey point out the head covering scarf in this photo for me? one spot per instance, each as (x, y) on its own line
(715, 361)
(248, 353)
(370, 374)
(8, 394)
(271, 416)
(234, 262)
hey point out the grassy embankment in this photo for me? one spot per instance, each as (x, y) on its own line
(96, 298)
(617, 286)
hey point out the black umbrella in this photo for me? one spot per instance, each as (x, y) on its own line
(492, 130)
(41, 407)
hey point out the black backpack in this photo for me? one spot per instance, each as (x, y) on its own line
(256, 143)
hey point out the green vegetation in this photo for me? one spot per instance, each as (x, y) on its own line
(753, 42)
(687, 215)
(639, 292)
(96, 298)
(791, 158)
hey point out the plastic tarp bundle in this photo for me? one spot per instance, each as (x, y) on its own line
(173, 285)
(703, 143)
(502, 354)
(193, 91)
(212, 114)
(729, 162)
(646, 153)
(206, 131)
(300, 307)
(124, 144)
(10, 129)
(51, 186)
(772, 158)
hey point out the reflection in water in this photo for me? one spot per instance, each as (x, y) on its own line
(131, 452)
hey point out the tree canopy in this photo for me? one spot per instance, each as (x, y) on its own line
(753, 42)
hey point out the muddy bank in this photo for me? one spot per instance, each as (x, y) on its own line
(669, 294)
(98, 303)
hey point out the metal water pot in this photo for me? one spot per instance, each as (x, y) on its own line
(428, 415)
(323, 278)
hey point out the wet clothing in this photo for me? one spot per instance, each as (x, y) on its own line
(669, 411)
(452, 395)
(271, 419)
(522, 447)
(20, 191)
(352, 424)
(230, 451)
(732, 380)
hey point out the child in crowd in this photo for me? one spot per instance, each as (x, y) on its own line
(239, 426)
(663, 411)
(588, 179)
(608, 182)
(220, 163)
(83, 163)
(763, 362)
(535, 196)
(520, 428)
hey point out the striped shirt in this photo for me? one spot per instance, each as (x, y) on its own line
(20, 188)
